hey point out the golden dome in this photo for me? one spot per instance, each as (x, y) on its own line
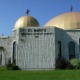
(26, 21)
(70, 20)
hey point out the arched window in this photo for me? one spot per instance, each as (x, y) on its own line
(2, 56)
(0, 59)
(79, 45)
(71, 47)
(14, 52)
(59, 49)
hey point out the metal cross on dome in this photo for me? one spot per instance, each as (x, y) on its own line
(71, 8)
(27, 12)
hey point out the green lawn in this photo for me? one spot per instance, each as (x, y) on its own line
(40, 75)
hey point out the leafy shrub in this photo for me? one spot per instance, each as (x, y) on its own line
(75, 63)
(3, 68)
(15, 68)
(61, 64)
(69, 66)
(64, 64)
(11, 66)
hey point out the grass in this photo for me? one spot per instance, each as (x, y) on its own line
(40, 75)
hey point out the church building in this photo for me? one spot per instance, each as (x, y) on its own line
(34, 47)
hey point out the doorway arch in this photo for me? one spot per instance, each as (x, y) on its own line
(71, 48)
(2, 56)
(14, 52)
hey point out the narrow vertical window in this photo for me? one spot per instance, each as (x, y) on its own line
(71, 47)
(59, 49)
(0, 59)
(14, 52)
(79, 45)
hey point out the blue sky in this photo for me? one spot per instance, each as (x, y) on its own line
(42, 10)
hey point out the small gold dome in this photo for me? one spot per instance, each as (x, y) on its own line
(26, 21)
(70, 20)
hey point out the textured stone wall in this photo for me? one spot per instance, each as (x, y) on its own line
(65, 36)
(6, 44)
(58, 37)
(71, 35)
(36, 48)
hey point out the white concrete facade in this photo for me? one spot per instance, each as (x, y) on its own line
(37, 47)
